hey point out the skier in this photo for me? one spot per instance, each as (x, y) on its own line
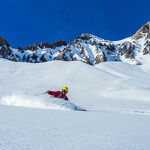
(59, 94)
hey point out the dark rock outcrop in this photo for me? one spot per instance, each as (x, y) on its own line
(127, 49)
(144, 29)
(58, 43)
(3, 42)
(43, 59)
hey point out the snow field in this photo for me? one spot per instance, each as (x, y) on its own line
(115, 94)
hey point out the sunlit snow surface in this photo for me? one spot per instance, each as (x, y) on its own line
(116, 96)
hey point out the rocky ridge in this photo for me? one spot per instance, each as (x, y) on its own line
(86, 48)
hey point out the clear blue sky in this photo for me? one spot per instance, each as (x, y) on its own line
(23, 22)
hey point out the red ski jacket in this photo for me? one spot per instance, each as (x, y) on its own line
(58, 94)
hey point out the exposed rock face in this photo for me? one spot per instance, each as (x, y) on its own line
(58, 43)
(42, 45)
(32, 47)
(144, 29)
(43, 59)
(3, 42)
(79, 46)
(85, 36)
(34, 58)
(4, 52)
(53, 45)
(127, 49)
(86, 48)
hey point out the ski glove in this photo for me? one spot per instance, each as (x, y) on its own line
(48, 91)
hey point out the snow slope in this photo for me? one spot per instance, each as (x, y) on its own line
(115, 94)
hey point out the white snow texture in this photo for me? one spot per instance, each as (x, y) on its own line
(115, 94)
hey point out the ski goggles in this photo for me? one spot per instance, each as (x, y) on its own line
(65, 91)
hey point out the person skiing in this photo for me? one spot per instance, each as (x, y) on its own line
(59, 94)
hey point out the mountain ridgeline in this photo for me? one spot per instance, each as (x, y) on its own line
(86, 48)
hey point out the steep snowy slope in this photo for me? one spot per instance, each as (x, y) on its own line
(80, 77)
(115, 94)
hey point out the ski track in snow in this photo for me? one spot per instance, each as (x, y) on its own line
(44, 102)
(117, 110)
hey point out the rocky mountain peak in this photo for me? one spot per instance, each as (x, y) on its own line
(3, 42)
(84, 36)
(144, 29)
(45, 45)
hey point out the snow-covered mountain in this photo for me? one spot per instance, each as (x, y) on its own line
(86, 48)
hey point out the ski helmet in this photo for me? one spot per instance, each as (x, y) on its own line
(65, 89)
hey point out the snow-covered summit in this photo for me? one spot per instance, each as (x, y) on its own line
(86, 48)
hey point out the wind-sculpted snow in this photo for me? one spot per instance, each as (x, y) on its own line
(40, 101)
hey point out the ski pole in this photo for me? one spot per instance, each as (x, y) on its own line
(41, 93)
